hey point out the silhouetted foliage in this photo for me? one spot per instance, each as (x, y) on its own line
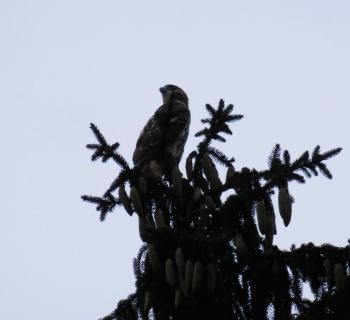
(210, 256)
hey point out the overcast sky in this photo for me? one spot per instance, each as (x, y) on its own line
(285, 65)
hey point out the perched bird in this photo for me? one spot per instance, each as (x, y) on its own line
(161, 143)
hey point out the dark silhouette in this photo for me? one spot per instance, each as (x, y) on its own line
(210, 256)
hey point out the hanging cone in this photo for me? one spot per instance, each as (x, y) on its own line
(240, 244)
(261, 216)
(170, 272)
(285, 205)
(211, 172)
(197, 194)
(178, 299)
(207, 164)
(210, 279)
(177, 182)
(215, 180)
(180, 260)
(154, 258)
(146, 230)
(182, 284)
(124, 199)
(271, 222)
(197, 277)
(136, 201)
(150, 221)
(339, 276)
(142, 187)
(189, 168)
(159, 219)
(210, 202)
(230, 173)
(147, 303)
(270, 230)
(188, 275)
(329, 272)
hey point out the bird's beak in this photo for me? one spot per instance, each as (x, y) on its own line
(162, 90)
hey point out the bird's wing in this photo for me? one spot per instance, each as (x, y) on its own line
(150, 137)
(176, 133)
(178, 123)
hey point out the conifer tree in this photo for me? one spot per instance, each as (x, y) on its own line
(210, 256)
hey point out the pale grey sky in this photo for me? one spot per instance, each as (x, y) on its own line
(63, 64)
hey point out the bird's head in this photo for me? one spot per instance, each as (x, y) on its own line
(173, 92)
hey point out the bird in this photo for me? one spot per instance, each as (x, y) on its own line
(161, 143)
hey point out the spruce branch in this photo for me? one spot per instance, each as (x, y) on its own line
(104, 150)
(274, 158)
(220, 156)
(282, 171)
(218, 124)
(104, 205)
(123, 177)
